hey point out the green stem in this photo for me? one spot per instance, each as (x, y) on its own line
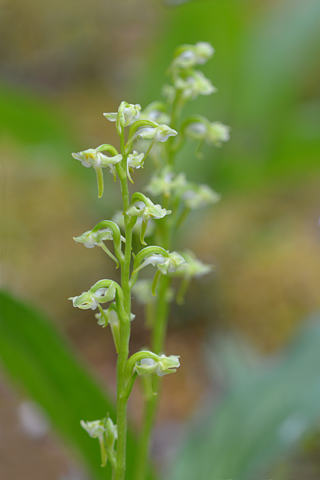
(160, 322)
(151, 404)
(120, 469)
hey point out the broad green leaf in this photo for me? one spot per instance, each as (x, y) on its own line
(39, 361)
(260, 419)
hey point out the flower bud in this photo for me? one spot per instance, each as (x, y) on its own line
(111, 433)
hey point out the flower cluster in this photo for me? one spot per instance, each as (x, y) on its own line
(152, 130)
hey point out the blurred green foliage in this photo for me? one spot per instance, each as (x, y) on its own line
(42, 365)
(31, 120)
(268, 408)
(268, 86)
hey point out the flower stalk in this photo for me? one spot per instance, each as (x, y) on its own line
(153, 130)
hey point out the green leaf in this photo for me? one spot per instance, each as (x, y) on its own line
(40, 361)
(259, 420)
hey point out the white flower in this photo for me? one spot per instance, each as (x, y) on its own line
(199, 196)
(165, 263)
(195, 267)
(92, 298)
(197, 130)
(106, 432)
(94, 158)
(145, 366)
(187, 56)
(167, 365)
(110, 317)
(169, 92)
(166, 182)
(146, 209)
(194, 84)
(96, 428)
(213, 133)
(156, 112)
(134, 160)
(126, 115)
(85, 301)
(162, 366)
(217, 133)
(160, 133)
(91, 239)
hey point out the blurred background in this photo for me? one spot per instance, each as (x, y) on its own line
(62, 64)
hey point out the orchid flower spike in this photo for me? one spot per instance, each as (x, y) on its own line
(93, 157)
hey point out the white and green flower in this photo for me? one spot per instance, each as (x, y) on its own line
(195, 268)
(187, 56)
(214, 133)
(166, 182)
(134, 160)
(126, 115)
(93, 157)
(159, 364)
(198, 196)
(166, 263)
(192, 84)
(143, 207)
(159, 133)
(93, 297)
(92, 239)
(156, 112)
